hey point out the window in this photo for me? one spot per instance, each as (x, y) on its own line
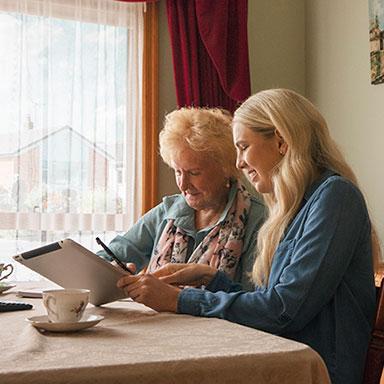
(70, 123)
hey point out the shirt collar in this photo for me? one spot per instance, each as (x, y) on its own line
(184, 215)
(312, 188)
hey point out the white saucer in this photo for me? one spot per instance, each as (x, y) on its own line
(43, 323)
(4, 287)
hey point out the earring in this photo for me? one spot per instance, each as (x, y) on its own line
(283, 147)
(228, 183)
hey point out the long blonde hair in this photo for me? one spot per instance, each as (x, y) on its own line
(310, 150)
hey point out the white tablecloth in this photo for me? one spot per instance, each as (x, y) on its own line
(135, 344)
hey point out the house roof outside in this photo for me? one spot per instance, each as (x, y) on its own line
(14, 145)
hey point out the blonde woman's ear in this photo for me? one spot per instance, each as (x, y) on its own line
(282, 144)
(283, 147)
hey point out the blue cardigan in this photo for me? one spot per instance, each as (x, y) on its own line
(321, 288)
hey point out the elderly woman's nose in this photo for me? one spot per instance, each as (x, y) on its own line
(183, 181)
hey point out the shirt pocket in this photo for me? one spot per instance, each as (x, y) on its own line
(281, 259)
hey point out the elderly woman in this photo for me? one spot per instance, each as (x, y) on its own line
(315, 252)
(214, 219)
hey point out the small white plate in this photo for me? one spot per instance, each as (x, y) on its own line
(31, 293)
(4, 287)
(43, 323)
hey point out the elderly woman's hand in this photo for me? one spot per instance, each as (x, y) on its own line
(150, 291)
(186, 274)
(131, 267)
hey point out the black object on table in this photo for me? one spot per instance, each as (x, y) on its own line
(7, 305)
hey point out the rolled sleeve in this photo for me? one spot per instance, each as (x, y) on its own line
(221, 282)
(188, 301)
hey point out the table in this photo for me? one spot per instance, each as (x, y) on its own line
(135, 344)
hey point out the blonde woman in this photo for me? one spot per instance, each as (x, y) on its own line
(313, 272)
(213, 220)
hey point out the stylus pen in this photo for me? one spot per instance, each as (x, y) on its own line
(114, 257)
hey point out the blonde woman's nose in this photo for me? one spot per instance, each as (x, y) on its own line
(240, 163)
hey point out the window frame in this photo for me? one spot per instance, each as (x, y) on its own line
(150, 108)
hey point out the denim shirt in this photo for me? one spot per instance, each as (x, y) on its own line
(321, 287)
(138, 244)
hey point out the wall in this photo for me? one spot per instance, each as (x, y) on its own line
(167, 97)
(276, 40)
(337, 81)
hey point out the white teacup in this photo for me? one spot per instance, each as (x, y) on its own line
(5, 268)
(65, 305)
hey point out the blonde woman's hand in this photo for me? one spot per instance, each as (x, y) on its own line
(147, 289)
(186, 274)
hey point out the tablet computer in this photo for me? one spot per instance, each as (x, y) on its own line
(70, 265)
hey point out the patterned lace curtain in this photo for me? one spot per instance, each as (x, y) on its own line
(70, 121)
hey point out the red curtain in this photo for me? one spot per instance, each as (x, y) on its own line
(210, 51)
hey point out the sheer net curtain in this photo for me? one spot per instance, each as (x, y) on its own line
(70, 119)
